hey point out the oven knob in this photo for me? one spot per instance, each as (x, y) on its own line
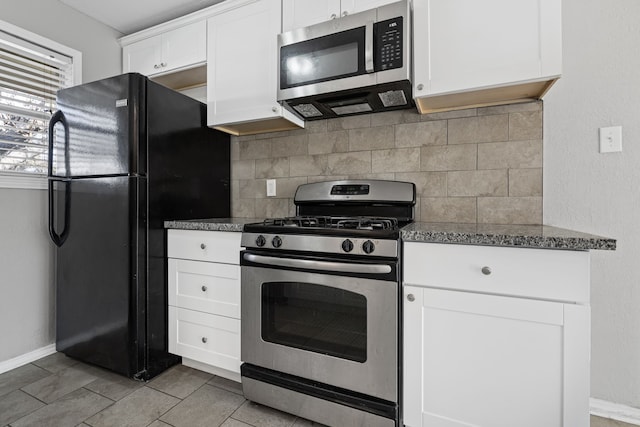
(368, 247)
(347, 245)
(276, 242)
(260, 241)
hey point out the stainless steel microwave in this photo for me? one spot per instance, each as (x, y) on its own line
(355, 64)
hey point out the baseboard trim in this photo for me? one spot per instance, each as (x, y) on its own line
(32, 356)
(614, 411)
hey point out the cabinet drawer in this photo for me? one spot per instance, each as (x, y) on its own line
(214, 246)
(535, 273)
(205, 286)
(206, 338)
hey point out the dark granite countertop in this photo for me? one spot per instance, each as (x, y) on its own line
(528, 236)
(211, 224)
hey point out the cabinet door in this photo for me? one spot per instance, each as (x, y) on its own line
(142, 57)
(302, 13)
(485, 360)
(466, 44)
(185, 46)
(349, 7)
(241, 73)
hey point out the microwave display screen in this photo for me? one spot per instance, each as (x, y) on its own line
(322, 59)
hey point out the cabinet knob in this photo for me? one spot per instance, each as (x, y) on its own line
(274, 109)
(411, 298)
(204, 340)
(163, 64)
(486, 270)
(204, 288)
(345, 13)
(203, 246)
(334, 16)
(156, 66)
(420, 86)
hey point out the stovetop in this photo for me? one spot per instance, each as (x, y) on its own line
(334, 222)
(367, 236)
(348, 217)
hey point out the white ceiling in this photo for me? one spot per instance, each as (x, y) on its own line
(129, 16)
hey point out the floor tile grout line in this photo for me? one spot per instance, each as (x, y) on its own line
(32, 411)
(99, 394)
(35, 397)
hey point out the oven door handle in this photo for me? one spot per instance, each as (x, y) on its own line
(308, 264)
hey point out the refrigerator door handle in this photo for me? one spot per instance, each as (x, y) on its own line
(58, 117)
(59, 239)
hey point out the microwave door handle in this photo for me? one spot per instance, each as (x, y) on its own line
(319, 265)
(368, 47)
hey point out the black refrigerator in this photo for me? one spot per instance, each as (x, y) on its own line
(125, 154)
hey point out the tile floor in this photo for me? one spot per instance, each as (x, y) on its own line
(57, 391)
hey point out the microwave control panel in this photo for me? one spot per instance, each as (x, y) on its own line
(388, 36)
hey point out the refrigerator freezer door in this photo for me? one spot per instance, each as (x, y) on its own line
(106, 128)
(101, 268)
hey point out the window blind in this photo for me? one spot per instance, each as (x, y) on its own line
(30, 76)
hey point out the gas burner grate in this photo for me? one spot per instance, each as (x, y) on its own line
(298, 221)
(350, 223)
(366, 223)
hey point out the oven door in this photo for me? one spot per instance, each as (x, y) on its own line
(325, 320)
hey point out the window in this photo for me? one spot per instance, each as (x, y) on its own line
(32, 69)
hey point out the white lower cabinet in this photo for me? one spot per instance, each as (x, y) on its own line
(204, 300)
(479, 358)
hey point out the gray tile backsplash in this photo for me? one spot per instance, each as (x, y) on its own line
(480, 165)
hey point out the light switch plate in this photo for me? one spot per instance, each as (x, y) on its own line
(611, 139)
(271, 188)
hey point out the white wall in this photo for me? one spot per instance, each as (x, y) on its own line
(600, 193)
(26, 275)
(102, 55)
(27, 298)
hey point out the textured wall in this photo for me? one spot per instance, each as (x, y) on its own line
(478, 165)
(600, 193)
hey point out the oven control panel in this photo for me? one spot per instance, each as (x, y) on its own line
(321, 244)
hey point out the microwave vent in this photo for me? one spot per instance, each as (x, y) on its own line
(352, 109)
(307, 110)
(393, 98)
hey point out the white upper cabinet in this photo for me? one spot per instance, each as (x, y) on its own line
(183, 47)
(302, 13)
(349, 7)
(242, 70)
(470, 53)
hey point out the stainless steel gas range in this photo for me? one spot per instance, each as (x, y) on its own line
(320, 304)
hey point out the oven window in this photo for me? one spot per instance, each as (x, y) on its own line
(322, 59)
(316, 318)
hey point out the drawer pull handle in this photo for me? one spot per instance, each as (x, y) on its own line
(203, 246)
(411, 298)
(204, 340)
(486, 270)
(204, 288)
